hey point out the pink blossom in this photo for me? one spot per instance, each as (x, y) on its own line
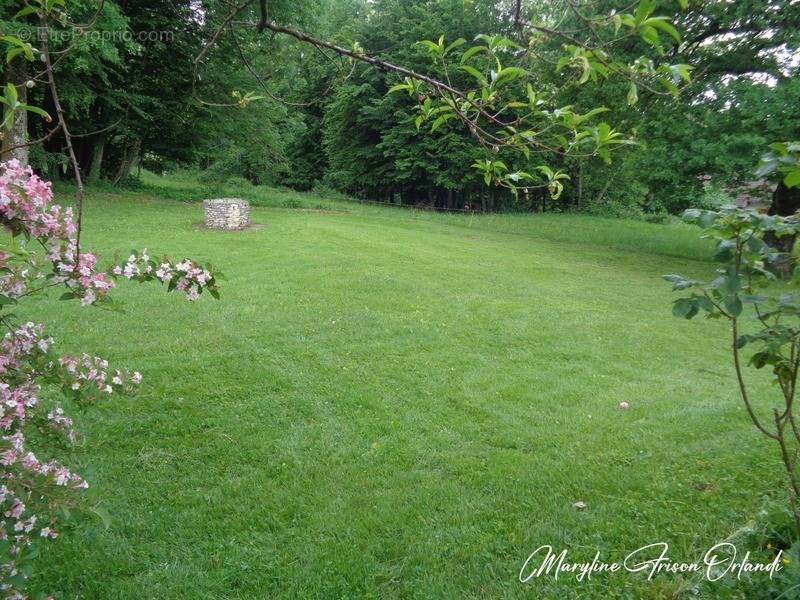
(62, 476)
(26, 356)
(16, 510)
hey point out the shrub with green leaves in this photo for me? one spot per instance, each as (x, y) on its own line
(746, 292)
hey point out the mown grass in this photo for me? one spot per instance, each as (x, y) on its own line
(388, 404)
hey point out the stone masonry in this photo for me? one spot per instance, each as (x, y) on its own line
(227, 213)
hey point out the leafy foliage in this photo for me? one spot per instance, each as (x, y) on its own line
(744, 286)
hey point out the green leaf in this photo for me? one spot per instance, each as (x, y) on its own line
(476, 74)
(459, 42)
(792, 179)
(679, 282)
(37, 110)
(760, 359)
(472, 52)
(752, 298)
(724, 251)
(18, 43)
(733, 305)
(586, 67)
(28, 10)
(644, 10)
(683, 71)
(13, 53)
(430, 46)
(650, 35)
(4, 300)
(401, 87)
(441, 120)
(685, 308)
(495, 42)
(633, 94)
(670, 85)
(664, 25)
(705, 303)
(510, 73)
(578, 119)
(11, 95)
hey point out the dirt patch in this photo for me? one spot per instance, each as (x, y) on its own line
(251, 227)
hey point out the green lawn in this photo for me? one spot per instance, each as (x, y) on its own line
(388, 404)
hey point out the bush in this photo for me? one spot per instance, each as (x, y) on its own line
(237, 183)
(712, 198)
(327, 192)
(657, 217)
(613, 210)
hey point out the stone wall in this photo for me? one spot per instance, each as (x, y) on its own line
(227, 213)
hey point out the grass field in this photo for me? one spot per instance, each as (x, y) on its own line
(388, 404)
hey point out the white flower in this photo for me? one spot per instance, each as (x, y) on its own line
(88, 298)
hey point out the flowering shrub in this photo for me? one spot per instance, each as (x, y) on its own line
(184, 276)
(35, 492)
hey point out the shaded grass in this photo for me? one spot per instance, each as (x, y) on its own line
(399, 404)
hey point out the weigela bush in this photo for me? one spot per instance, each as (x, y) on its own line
(43, 252)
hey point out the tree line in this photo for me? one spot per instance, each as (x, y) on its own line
(275, 111)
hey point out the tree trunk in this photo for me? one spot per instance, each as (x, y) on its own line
(785, 202)
(580, 186)
(137, 146)
(98, 151)
(16, 132)
(602, 193)
(129, 159)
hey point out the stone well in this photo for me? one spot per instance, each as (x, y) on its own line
(227, 213)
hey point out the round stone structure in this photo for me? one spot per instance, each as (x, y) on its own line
(227, 213)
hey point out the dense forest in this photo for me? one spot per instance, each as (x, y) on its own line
(275, 111)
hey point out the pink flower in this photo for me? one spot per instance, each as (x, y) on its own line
(62, 476)
(8, 458)
(16, 510)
